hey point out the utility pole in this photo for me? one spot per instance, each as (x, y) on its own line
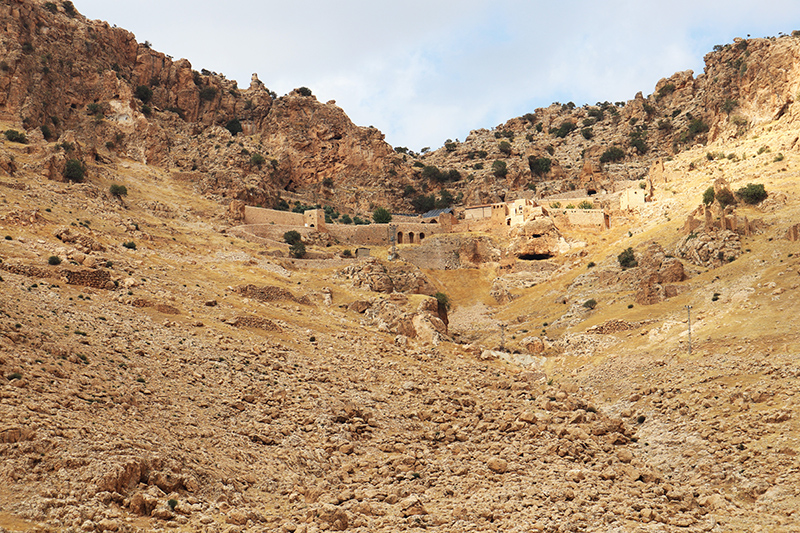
(392, 234)
(689, 322)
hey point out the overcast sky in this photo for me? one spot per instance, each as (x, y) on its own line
(426, 71)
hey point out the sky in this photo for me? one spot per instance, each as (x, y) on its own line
(423, 72)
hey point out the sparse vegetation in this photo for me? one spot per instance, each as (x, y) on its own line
(208, 93)
(54, 260)
(443, 300)
(590, 304)
(564, 129)
(297, 250)
(74, 170)
(292, 237)
(499, 169)
(16, 137)
(257, 160)
(234, 126)
(612, 154)
(539, 165)
(585, 204)
(504, 147)
(118, 190)
(304, 91)
(627, 259)
(708, 196)
(143, 93)
(130, 245)
(381, 215)
(752, 193)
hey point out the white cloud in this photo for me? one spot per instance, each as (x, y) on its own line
(422, 72)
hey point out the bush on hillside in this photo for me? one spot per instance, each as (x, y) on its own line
(74, 170)
(752, 193)
(708, 196)
(611, 155)
(627, 259)
(381, 216)
(292, 237)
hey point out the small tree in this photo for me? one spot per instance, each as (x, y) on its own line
(504, 147)
(708, 196)
(627, 259)
(590, 304)
(540, 165)
(346, 219)
(752, 193)
(297, 250)
(16, 137)
(443, 300)
(500, 169)
(304, 91)
(54, 260)
(143, 93)
(292, 237)
(257, 160)
(612, 154)
(74, 171)
(725, 198)
(118, 190)
(381, 216)
(234, 126)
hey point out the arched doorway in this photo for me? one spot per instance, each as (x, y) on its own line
(399, 237)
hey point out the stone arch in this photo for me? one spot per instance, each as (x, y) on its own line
(421, 236)
(399, 237)
(411, 237)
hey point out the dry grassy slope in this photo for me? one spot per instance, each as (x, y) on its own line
(245, 426)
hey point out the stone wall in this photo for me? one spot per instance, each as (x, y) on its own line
(259, 215)
(596, 218)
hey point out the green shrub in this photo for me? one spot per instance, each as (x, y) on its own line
(585, 204)
(752, 193)
(381, 216)
(666, 89)
(292, 237)
(327, 182)
(69, 8)
(443, 300)
(450, 147)
(208, 93)
(51, 7)
(729, 105)
(257, 160)
(74, 170)
(556, 205)
(500, 169)
(570, 206)
(118, 190)
(627, 259)
(504, 147)
(725, 198)
(16, 137)
(778, 158)
(564, 129)
(423, 203)
(53, 260)
(708, 196)
(130, 245)
(146, 110)
(431, 172)
(590, 304)
(346, 219)
(614, 153)
(143, 93)
(297, 250)
(587, 133)
(234, 126)
(14, 375)
(540, 165)
(172, 503)
(46, 132)
(304, 91)
(591, 264)
(347, 253)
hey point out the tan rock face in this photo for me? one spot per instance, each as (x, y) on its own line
(535, 239)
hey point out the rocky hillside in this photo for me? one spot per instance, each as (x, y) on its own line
(159, 372)
(67, 79)
(564, 147)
